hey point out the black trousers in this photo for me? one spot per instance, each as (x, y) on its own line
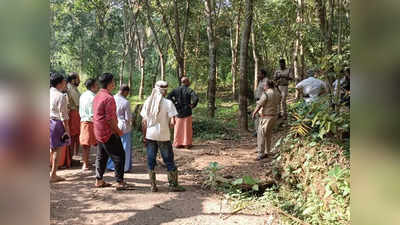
(113, 149)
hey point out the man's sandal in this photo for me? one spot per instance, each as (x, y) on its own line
(103, 185)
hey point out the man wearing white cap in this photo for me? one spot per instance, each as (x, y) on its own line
(158, 115)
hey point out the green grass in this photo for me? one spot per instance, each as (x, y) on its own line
(219, 127)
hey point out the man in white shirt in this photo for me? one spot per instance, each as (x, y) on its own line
(59, 126)
(86, 136)
(312, 88)
(125, 125)
(158, 115)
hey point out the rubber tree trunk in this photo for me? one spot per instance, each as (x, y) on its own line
(209, 11)
(132, 67)
(141, 65)
(255, 57)
(244, 73)
(162, 66)
(234, 51)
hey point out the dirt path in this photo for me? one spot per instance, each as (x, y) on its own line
(76, 201)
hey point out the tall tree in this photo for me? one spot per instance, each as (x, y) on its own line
(255, 57)
(157, 40)
(244, 71)
(298, 53)
(102, 9)
(140, 43)
(234, 43)
(324, 24)
(178, 40)
(212, 84)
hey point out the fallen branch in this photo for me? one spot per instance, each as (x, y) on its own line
(236, 211)
(290, 216)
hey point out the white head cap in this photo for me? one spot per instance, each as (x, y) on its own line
(162, 84)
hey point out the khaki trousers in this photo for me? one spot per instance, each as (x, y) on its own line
(256, 121)
(282, 105)
(264, 134)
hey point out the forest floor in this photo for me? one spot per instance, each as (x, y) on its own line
(77, 201)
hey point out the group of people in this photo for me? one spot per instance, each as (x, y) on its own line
(97, 118)
(271, 94)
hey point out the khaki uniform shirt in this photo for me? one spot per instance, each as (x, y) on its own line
(269, 101)
(282, 76)
(260, 88)
(73, 97)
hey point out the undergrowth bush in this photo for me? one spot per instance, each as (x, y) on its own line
(319, 120)
(311, 174)
(314, 182)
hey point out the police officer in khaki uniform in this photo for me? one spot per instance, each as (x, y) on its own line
(268, 104)
(282, 77)
(262, 79)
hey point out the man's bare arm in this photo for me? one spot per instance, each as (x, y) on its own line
(114, 126)
(256, 110)
(66, 126)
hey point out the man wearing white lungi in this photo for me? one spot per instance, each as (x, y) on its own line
(125, 124)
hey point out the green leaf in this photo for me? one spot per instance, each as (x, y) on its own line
(249, 180)
(312, 144)
(237, 181)
(255, 187)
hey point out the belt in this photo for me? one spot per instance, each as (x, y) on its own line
(267, 115)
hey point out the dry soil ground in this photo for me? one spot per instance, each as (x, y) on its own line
(76, 201)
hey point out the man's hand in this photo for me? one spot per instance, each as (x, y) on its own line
(172, 122)
(144, 141)
(119, 132)
(253, 115)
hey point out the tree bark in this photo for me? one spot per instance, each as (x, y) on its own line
(243, 85)
(132, 67)
(340, 29)
(177, 43)
(255, 57)
(157, 40)
(234, 50)
(209, 11)
(298, 55)
(321, 5)
(140, 41)
(141, 65)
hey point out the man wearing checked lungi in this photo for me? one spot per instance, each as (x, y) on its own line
(59, 121)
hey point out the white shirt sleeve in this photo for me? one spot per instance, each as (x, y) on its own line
(300, 85)
(171, 109)
(62, 107)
